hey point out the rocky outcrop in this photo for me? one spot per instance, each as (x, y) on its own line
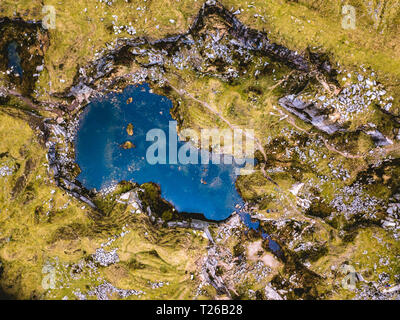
(271, 294)
(249, 38)
(323, 120)
(156, 52)
(310, 114)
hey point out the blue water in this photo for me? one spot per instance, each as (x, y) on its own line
(255, 225)
(14, 61)
(194, 188)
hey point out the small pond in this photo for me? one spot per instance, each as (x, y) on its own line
(194, 188)
(14, 61)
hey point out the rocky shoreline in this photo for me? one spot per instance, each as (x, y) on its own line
(97, 79)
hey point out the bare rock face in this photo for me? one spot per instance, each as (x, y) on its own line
(271, 294)
(379, 139)
(323, 120)
(310, 114)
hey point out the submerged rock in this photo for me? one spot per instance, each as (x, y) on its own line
(128, 145)
(129, 129)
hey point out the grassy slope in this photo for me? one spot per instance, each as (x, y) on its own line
(41, 223)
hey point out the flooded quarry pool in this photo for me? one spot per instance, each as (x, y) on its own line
(111, 146)
(14, 61)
